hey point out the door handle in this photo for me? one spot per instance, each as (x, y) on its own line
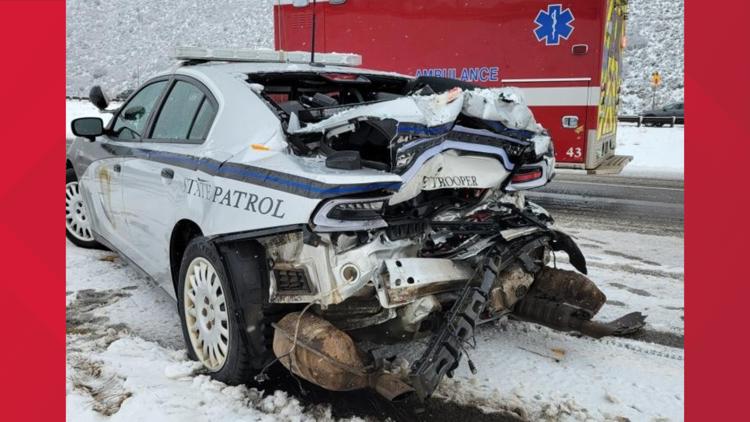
(167, 173)
(117, 168)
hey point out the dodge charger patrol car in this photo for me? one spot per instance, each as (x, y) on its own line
(315, 214)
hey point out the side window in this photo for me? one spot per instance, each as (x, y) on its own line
(132, 119)
(202, 121)
(186, 115)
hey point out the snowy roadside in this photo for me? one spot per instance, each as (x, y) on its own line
(557, 376)
(126, 358)
(658, 152)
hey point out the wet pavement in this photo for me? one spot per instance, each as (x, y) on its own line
(647, 206)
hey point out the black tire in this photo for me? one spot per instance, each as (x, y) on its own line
(87, 241)
(248, 348)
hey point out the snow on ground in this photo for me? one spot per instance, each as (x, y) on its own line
(556, 376)
(638, 272)
(126, 357)
(657, 151)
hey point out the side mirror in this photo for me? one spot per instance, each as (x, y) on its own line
(133, 113)
(87, 127)
(97, 97)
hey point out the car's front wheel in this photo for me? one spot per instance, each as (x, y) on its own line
(207, 308)
(77, 218)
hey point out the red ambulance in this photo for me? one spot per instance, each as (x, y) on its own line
(565, 55)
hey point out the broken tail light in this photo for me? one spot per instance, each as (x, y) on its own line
(357, 211)
(527, 175)
(350, 214)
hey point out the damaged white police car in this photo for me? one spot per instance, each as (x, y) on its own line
(314, 214)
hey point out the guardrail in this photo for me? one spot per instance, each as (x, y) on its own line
(653, 120)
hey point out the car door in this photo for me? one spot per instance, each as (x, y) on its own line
(103, 179)
(155, 189)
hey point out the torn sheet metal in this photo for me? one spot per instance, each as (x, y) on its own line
(504, 105)
(428, 110)
(406, 279)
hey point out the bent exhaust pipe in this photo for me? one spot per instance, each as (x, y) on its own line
(312, 348)
(567, 301)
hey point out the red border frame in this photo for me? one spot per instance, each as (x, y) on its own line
(717, 143)
(33, 285)
(32, 127)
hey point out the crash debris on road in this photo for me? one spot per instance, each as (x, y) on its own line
(518, 370)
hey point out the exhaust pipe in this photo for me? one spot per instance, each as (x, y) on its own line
(566, 301)
(312, 348)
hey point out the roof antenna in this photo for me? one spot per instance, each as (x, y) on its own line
(312, 41)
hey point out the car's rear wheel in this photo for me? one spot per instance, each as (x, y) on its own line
(77, 219)
(206, 317)
(213, 332)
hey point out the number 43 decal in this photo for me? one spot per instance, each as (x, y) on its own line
(573, 152)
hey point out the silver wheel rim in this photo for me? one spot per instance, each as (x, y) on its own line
(76, 218)
(206, 314)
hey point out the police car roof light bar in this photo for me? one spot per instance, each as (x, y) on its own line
(264, 55)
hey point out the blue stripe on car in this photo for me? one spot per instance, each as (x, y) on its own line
(261, 176)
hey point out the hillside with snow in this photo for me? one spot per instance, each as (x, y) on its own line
(656, 38)
(119, 44)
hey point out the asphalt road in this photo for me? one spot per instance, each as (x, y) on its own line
(649, 206)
